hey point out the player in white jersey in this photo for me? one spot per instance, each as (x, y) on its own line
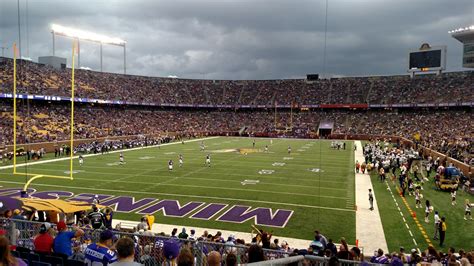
(453, 196)
(468, 210)
(271, 141)
(417, 199)
(170, 165)
(95, 200)
(208, 160)
(266, 148)
(180, 160)
(202, 146)
(81, 160)
(289, 149)
(122, 161)
(428, 210)
(436, 225)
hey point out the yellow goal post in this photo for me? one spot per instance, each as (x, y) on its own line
(35, 176)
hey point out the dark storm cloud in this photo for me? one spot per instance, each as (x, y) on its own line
(244, 39)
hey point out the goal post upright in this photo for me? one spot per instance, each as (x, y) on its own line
(14, 108)
(35, 176)
(71, 144)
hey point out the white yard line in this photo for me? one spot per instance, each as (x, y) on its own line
(369, 229)
(97, 154)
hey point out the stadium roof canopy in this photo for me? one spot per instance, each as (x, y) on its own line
(465, 34)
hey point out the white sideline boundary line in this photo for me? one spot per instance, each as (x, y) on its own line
(97, 154)
(369, 229)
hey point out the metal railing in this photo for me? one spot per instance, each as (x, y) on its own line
(149, 249)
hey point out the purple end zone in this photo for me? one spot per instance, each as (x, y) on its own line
(127, 204)
(262, 216)
(209, 211)
(88, 197)
(14, 191)
(171, 208)
(52, 194)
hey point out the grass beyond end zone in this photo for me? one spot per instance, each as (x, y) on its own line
(321, 200)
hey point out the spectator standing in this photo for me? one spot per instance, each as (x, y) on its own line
(97, 253)
(321, 238)
(379, 257)
(96, 218)
(108, 218)
(62, 242)
(183, 234)
(44, 241)
(125, 253)
(142, 225)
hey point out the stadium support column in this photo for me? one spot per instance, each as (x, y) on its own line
(101, 57)
(124, 60)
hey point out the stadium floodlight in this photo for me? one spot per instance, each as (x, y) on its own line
(85, 35)
(462, 29)
(78, 35)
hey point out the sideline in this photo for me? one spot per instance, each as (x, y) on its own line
(97, 154)
(369, 229)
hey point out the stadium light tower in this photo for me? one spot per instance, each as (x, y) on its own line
(466, 36)
(90, 37)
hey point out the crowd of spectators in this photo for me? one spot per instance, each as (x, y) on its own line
(85, 242)
(40, 79)
(448, 131)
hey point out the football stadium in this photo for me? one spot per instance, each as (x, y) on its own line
(138, 140)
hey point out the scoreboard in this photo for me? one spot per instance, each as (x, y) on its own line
(427, 59)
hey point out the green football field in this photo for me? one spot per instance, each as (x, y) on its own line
(459, 232)
(315, 182)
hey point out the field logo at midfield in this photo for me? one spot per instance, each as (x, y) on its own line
(249, 182)
(287, 158)
(171, 208)
(247, 151)
(316, 170)
(224, 151)
(146, 157)
(278, 164)
(266, 172)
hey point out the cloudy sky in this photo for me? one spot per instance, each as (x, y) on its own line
(242, 39)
